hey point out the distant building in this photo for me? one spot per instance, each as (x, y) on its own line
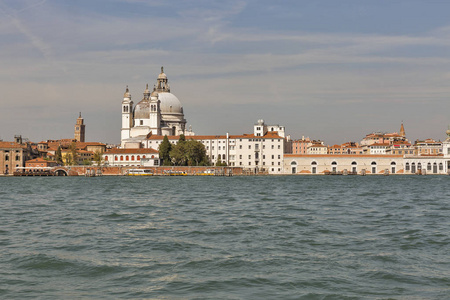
(13, 155)
(80, 129)
(131, 157)
(158, 113)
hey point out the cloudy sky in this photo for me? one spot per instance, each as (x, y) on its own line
(331, 70)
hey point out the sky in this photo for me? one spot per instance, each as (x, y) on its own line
(326, 69)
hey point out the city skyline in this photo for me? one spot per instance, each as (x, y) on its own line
(333, 72)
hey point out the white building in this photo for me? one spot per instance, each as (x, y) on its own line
(261, 151)
(158, 113)
(131, 157)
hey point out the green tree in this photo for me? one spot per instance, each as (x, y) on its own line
(87, 162)
(58, 156)
(164, 151)
(178, 154)
(98, 157)
(195, 152)
(219, 162)
(73, 154)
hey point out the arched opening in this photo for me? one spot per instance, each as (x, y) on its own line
(428, 166)
(333, 167)
(314, 167)
(413, 168)
(407, 167)
(61, 172)
(354, 164)
(121, 158)
(374, 167)
(132, 157)
(393, 164)
(435, 170)
(293, 167)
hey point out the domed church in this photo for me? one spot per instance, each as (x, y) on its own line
(158, 113)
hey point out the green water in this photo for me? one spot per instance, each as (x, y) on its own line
(287, 237)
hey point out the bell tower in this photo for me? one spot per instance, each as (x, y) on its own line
(127, 115)
(80, 129)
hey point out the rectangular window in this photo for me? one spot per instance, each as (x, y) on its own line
(240, 146)
(249, 157)
(240, 163)
(272, 146)
(273, 156)
(279, 156)
(279, 146)
(249, 146)
(156, 162)
(240, 156)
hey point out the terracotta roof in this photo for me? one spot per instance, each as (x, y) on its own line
(380, 144)
(11, 145)
(132, 151)
(39, 159)
(269, 135)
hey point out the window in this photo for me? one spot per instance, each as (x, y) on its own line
(7, 158)
(264, 156)
(273, 156)
(407, 166)
(138, 157)
(249, 146)
(240, 156)
(279, 156)
(441, 166)
(127, 158)
(240, 146)
(279, 146)
(249, 157)
(156, 162)
(132, 157)
(121, 158)
(429, 166)
(115, 158)
(272, 147)
(17, 157)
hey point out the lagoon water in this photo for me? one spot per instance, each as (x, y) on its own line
(280, 237)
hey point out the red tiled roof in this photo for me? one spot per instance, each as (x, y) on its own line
(11, 145)
(269, 135)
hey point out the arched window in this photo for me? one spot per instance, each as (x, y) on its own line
(429, 166)
(121, 158)
(127, 158)
(294, 163)
(393, 163)
(334, 163)
(7, 158)
(132, 157)
(314, 163)
(143, 156)
(223, 156)
(354, 163)
(153, 156)
(115, 157)
(441, 166)
(106, 157)
(407, 166)
(419, 166)
(374, 163)
(138, 157)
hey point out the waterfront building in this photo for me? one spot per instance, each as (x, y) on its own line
(381, 138)
(341, 163)
(402, 148)
(80, 129)
(39, 163)
(158, 113)
(261, 151)
(13, 155)
(147, 157)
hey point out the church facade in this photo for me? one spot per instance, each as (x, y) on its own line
(158, 113)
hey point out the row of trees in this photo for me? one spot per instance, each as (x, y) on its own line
(184, 153)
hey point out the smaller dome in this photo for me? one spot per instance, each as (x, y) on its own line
(162, 75)
(142, 110)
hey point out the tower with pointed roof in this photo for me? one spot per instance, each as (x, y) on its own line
(127, 115)
(80, 129)
(402, 131)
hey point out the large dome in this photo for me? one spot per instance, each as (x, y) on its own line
(170, 104)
